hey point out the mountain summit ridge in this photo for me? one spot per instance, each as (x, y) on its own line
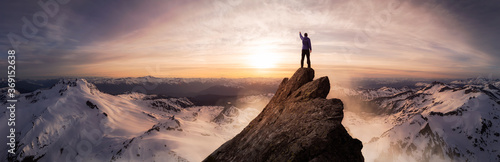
(298, 124)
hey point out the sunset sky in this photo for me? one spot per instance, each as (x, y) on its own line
(257, 38)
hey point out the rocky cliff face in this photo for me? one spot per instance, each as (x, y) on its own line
(298, 124)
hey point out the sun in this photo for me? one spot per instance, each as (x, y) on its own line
(262, 61)
(263, 58)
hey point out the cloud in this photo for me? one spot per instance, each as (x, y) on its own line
(107, 38)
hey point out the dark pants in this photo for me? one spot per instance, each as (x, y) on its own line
(305, 53)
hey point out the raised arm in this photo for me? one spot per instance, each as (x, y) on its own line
(300, 34)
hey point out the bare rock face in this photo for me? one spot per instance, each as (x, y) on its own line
(298, 124)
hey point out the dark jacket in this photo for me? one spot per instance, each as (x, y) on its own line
(306, 42)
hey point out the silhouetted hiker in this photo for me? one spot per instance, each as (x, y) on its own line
(306, 50)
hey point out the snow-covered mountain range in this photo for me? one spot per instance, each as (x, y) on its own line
(456, 121)
(74, 121)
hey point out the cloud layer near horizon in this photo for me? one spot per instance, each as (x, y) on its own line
(234, 38)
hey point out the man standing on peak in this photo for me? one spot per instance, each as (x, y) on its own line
(306, 50)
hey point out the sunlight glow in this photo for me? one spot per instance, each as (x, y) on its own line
(263, 58)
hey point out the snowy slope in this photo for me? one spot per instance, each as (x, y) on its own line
(74, 121)
(440, 122)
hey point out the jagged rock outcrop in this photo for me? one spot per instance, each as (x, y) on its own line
(298, 124)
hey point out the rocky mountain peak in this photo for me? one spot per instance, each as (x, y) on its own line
(298, 124)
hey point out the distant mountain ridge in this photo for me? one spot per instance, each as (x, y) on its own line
(174, 87)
